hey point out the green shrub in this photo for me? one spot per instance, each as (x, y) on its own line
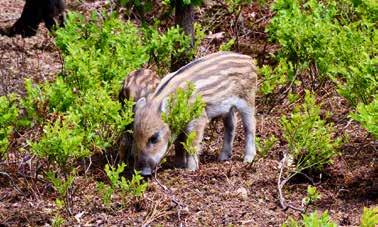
(327, 40)
(8, 116)
(58, 221)
(367, 115)
(33, 104)
(62, 143)
(264, 146)
(162, 47)
(62, 186)
(369, 217)
(134, 187)
(182, 108)
(309, 138)
(59, 95)
(312, 195)
(227, 45)
(311, 220)
(101, 118)
(99, 53)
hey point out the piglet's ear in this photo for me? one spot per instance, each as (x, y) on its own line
(140, 103)
(164, 105)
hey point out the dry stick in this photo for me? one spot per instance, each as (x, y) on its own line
(153, 215)
(89, 166)
(280, 185)
(12, 182)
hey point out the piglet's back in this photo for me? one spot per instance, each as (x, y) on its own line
(216, 77)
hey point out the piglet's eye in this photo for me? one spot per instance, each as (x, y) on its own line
(154, 138)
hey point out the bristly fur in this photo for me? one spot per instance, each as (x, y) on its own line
(226, 81)
(139, 83)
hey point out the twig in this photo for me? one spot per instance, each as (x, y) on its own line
(153, 215)
(280, 185)
(12, 182)
(89, 166)
(179, 205)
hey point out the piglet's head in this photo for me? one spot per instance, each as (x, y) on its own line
(151, 135)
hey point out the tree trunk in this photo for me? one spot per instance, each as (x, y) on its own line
(184, 19)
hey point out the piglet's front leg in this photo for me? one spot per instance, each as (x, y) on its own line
(183, 158)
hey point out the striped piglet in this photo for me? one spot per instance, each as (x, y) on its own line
(136, 85)
(226, 81)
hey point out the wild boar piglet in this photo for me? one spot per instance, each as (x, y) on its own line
(226, 81)
(136, 85)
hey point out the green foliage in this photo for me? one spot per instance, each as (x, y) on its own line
(369, 217)
(182, 108)
(101, 118)
(62, 186)
(59, 95)
(188, 144)
(312, 195)
(61, 143)
(309, 138)
(311, 220)
(328, 40)
(99, 54)
(134, 187)
(113, 174)
(367, 115)
(162, 47)
(33, 104)
(8, 116)
(263, 147)
(275, 77)
(227, 46)
(58, 221)
(106, 193)
(314, 220)
(235, 5)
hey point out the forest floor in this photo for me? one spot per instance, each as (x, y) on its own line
(218, 193)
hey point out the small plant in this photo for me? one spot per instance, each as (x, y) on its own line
(311, 220)
(63, 187)
(316, 220)
(188, 144)
(58, 221)
(135, 187)
(8, 116)
(106, 192)
(227, 45)
(310, 142)
(180, 111)
(309, 138)
(367, 115)
(312, 196)
(369, 217)
(33, 105)
(263, 147)
(163, 47)
(61, 143)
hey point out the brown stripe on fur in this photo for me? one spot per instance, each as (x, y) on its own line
(202, 65)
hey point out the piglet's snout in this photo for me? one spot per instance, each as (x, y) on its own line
(146, 165)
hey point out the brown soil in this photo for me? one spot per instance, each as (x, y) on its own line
(218, 193)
